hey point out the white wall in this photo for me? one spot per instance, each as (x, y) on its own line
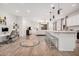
(19, 22)
(24, 23)
(59, 25)
(73, 21)
(10, 20)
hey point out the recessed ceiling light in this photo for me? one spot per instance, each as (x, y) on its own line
(73, 5)
(28, 11)
(52, 5)
(17, 11)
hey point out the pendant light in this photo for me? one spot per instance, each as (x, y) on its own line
(59, 9)
(50, 15)
(53, 16)
(53, 12)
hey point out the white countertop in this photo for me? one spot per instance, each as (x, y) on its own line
(62, 31)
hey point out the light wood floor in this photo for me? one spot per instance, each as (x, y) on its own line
(42, 49)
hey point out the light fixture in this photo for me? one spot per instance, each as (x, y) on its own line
(52, 13)
(52, 5)
(28, 11)
(73, 5)
(59, 10)
(66, 17)
(17, 11)
(53, 16)
(50, 19)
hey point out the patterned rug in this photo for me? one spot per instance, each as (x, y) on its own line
(29, 42)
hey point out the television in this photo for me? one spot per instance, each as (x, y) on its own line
(5, 29)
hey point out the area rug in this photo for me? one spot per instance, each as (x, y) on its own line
(29, 43)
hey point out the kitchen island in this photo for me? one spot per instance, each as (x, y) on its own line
(63, 40)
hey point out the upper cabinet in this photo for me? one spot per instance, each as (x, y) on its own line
(73, 20)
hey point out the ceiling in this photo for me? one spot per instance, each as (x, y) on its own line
(38, 10)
